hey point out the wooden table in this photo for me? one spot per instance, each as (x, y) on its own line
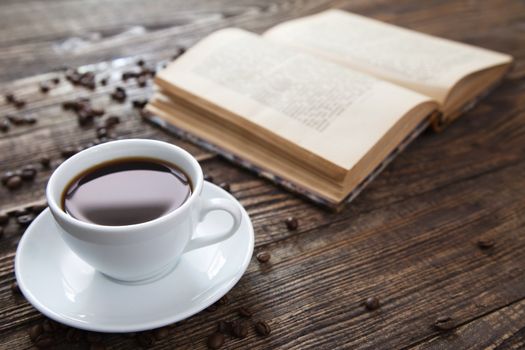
(410, 239)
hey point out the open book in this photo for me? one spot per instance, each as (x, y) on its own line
(320, 104)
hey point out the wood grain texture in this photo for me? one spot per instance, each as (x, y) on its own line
(409, 239)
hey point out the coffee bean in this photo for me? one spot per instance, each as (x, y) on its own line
(9, 97)
(119, 94)
(4, 218)
(240, 329)
(44, 88)
(263, 256)
(139, 104)
(128, 75)
(180, 51)
(101, 132)
(140, 63)
(111, 121)
(244, 312)
(145, 339)
(19, 104)
(6, 176)
(45, 161)
(291, 223)
(97, 346)
(55, 80)
(225, 186)
(225, 327)
(97, 112)
(215, 341)
(104, 81)
(372, 303)
(29, 120)
(35, 332)
(28, 172)
(5, 125)
(49, 326)
(44, 341)
(15, 119)
(15, 289)
(485, 243)
(161, 333)
(208, 178)
(262, 328)
(14, 182)
(18, 212)
(25, 220)
(444, 323)
(67, 151)
(142, 81)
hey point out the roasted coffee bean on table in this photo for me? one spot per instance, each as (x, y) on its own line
(9, 97)
(15, 119)
(372, 303)
(15, 288)
(263, 256)
(29, 120)
(225, 327)
(19, 104)
(5, 125)
(240, 329)
(119, 94)
(28, 172)
(444, 323)
(262, 328)
(44, 88)
(139, 103)
(14, 182)
(291, 223)
(244, 312)
(25, 220)
(215, 340)
(45, 161)
(485, 243)
(225, 186)
(67, 151)
(4, 218)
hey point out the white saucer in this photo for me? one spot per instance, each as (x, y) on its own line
(65, 288)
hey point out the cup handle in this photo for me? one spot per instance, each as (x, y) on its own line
(216, 204)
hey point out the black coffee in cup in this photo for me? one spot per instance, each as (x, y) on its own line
(126, 191)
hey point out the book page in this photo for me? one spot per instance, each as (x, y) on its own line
(323, 108)
(420, 62)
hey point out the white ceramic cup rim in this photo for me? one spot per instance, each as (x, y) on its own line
(77, 158)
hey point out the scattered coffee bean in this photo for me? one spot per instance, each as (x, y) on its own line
(262, 328)
(128, 75)
(29, 120)
(215, 341)
(4, 218)
(35, 332)
(225, 327)
(104, 81)
(145, 339)
(263, 256)
(45, 161)
(15, 289)
(15, 119)
(44, 341)
(84, 118)
(101, 132)
(225, 186)
(119, 94)
(180, 51)
(444, 323)
(67, 152)
(98, 112)
(97, 346)
(5, 125)
(486, 243)
(372, 303)
(6, 176)
(291, 223)
(44, 88)
(139, 104)
(208, 178)
(142, 81)
(10, 98)
(55, 80)
(161, 333)
(111, 121)
(28, 172)
(141, 63)
(18, 212)
(25, 220)
(244, 312)
(19, 104)
(240, 329)
(14, 182)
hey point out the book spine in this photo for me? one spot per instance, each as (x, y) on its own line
(163, 124)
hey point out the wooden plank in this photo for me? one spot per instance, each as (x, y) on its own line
(502, 329)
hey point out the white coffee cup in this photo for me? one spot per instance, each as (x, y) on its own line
(143, 251)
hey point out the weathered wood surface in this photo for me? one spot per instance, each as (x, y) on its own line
(409, 239)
